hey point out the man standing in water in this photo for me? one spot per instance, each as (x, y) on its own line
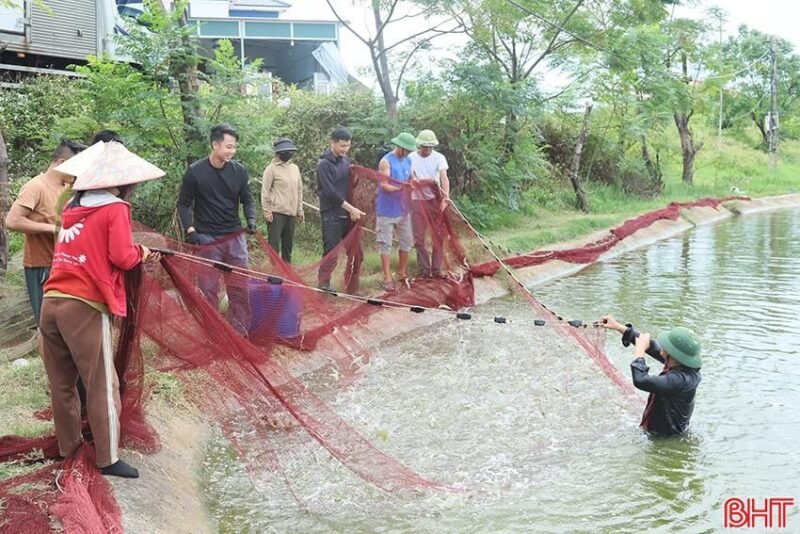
(671, 401)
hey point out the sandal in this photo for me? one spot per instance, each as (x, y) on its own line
(404, 281)
(389, 286)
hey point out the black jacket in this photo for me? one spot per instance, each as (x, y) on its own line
(333, 181)
(671, 402)
(209, 198)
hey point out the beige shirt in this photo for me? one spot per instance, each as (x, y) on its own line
(40, 197)
(282, 189)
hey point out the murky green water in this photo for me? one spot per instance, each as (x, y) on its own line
(539, 437)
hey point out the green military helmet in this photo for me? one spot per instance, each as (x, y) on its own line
(405, 140)
(427, 138)
(682, 344)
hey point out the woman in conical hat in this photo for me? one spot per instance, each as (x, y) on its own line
(86, 288)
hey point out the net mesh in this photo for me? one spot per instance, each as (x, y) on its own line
(250, 335)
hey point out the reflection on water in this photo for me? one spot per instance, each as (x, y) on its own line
(538, 437)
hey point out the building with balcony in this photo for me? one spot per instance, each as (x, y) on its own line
(304, 53)
(38, 37)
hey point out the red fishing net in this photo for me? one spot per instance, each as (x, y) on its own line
(590, 252)
(69, 494)
(251, 334)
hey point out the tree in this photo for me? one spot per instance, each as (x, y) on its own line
(467, 104)
(163, 45)
(747, 65)
(687, 37)
(521, 38)
(575, 177)
(384, 13)
(651, 78)
(518, 38)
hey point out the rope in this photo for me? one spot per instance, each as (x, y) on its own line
(740, 71)
(560, 28)
(316, 208)
(279, 280)
(485, 242)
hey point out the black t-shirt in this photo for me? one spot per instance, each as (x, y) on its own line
(209, 197)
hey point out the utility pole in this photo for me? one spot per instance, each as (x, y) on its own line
(772, 126)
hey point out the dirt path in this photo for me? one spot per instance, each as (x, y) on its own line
(167, 497)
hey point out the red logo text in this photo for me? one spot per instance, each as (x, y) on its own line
(750, 513)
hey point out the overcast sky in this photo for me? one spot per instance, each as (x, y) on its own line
(779, 17)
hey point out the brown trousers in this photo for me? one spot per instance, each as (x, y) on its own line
(76, 341)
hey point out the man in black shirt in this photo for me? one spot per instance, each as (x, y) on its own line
(333, 181)
(208, 206)
(671, 402)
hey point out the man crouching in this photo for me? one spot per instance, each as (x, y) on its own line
(671, 401)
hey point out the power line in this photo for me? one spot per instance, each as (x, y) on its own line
(743, 69)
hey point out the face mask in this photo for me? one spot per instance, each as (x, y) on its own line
(285, 156)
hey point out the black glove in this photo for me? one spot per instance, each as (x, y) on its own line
(252, 228)
(192, 238)
(640, 364)
(629, 336)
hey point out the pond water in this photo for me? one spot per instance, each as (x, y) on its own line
(539, 439)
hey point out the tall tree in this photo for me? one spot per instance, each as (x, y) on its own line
(163, 44)
(575, 176)
(400, 51)
(522, 38)
(686, 35)
(652, 77)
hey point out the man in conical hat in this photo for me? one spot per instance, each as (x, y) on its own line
(85, 289)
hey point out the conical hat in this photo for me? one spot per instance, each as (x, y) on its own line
(106, 165)
(76, 165)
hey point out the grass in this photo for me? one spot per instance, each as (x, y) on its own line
(24, 392)
(720, 166)
(32, 462)
(167, 387)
